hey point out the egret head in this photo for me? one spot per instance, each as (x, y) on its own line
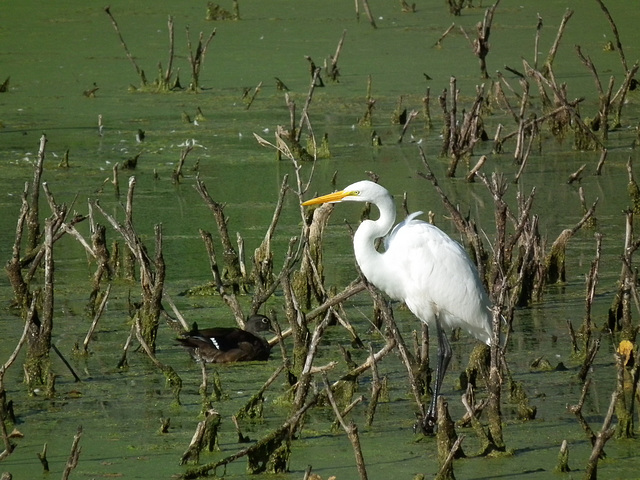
(363, 191)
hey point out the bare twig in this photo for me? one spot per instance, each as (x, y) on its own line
(72, 462)
(367, 10)
(139, 71)
(447, 31)
(94, 323)
(614, 28)
(351, 430)
(606, 432)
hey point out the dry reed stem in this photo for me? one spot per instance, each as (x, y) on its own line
(172, 377)
(230, 255)
(4, 410)
(177, 172)
(268, 442)
(125, 349)
(305, 377)
(139, 71)
(442, 37)
(563, 458)
(350, 429)
(74, 455)
(367, 9)
(183, 323)
(577, 411)
(169, 71)
(387, 313)
(556, 44)
(376, 388)
(96, 318)
(413, 114)
(229, 298)
(481, 43)
(592, 282)
(614, 28)
(197, 59)
(206, 434)
(254, 95)
(605, 433)
(448, 442)
(332, 67)
(258, 396)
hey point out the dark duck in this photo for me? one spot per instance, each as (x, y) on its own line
(229, 344)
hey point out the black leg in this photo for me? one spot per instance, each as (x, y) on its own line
(444, 355)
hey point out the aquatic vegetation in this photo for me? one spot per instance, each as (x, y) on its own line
(538, 149)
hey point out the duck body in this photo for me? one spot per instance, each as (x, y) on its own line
(229, 344)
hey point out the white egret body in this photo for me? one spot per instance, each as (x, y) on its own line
(422, 266)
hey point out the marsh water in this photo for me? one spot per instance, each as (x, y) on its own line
(55, 51)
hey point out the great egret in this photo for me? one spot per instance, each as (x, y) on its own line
(229, 344)
(422, 266)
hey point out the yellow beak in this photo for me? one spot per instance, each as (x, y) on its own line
(330, 198)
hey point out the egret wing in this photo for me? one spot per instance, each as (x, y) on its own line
(437, 277)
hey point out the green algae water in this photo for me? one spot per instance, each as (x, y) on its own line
(56, 51)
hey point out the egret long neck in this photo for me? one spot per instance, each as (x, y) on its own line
(364, 239)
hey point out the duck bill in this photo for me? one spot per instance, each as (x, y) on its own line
(330, 198)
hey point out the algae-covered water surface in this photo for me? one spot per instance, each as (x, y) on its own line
(69, 78)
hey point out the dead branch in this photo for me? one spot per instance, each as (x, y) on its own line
(560, 96)
(256, 91)
(5, 409)
(96, 317)
(206, 434)
(577, 411)
(177, 172)
(563, 458)
(259, 452)
(196, 59)
(263, 256)
(471, 176)
(537, 42)
(172, 377)
(605, 433)
(22, 295)
(74, 455)
(231, 259)
(556, 44)
(473, 410)
(438, 43)
(460, 134)
(418, 385)
(125, 349)
(169, 72)
(258, 397)
(367, 10)
(304, 379)
(332, 68)
(481, 43)
(614, 28)
(448, 442)
(351, 431)
(183, 322)
(376, 388)
(229, 298)
(139, 71)
(413, 114)
(577, 175)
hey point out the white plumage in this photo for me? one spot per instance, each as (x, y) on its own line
(422, 266)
